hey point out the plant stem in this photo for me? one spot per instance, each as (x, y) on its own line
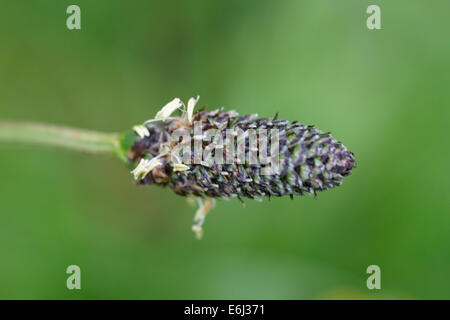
(59, 136)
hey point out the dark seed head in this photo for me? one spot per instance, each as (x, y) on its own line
(310, 160)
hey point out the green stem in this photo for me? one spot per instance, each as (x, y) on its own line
(59, 136)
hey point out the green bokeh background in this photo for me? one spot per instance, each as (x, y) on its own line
(384, 93)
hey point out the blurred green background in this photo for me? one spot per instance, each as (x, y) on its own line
(383, 93)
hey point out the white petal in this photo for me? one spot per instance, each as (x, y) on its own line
(190, 108)
(168, 109)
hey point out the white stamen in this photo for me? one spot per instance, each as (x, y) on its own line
(168, 109)
(144, 167)
(157, 120)
(180, 167)
(198, 231)
(204, 208)
(190, 108)
(141, 131)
